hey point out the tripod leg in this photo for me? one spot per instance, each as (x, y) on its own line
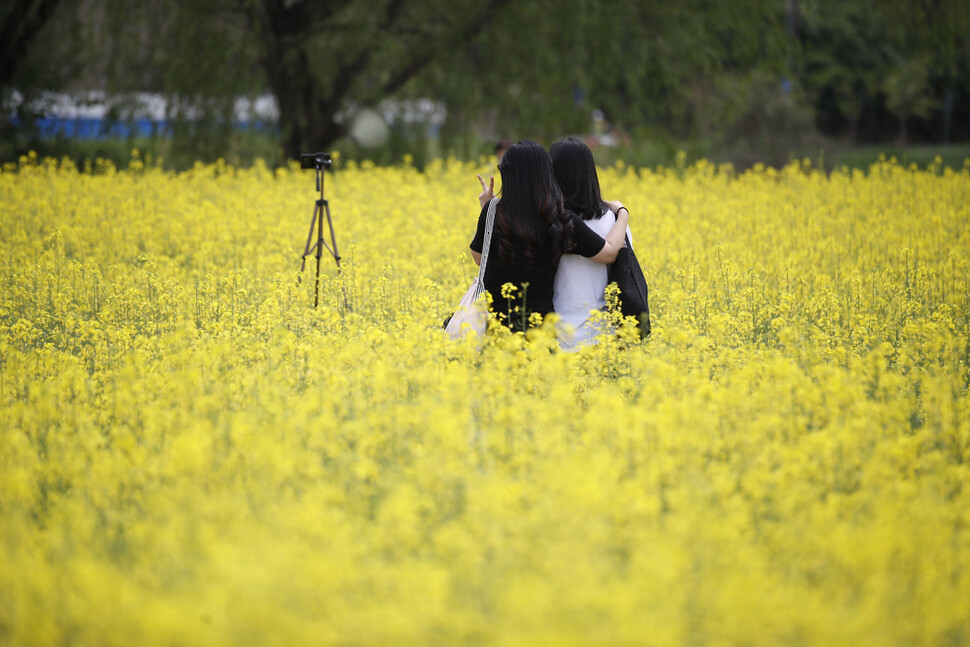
(316, 288)
(336, 254)
(309, 239)
(333, 237)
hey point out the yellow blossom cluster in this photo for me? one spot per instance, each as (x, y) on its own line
(191, 454)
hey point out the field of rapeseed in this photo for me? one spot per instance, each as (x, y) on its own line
(190, 454)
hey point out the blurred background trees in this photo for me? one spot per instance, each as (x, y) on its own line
(751, 80)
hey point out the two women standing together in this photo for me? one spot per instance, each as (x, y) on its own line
(553, 238)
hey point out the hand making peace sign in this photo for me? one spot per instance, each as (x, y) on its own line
(488, 192)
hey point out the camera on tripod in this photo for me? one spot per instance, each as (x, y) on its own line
(319, 162)
(315, 160)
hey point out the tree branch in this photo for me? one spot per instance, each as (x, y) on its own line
(457, 37)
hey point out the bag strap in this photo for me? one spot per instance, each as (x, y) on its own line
(489, 225)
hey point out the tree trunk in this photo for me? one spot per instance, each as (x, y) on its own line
(283, 27)
(947, 114)
(308, 109)
(307, 123)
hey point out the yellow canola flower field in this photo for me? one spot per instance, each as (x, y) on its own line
(191, 454)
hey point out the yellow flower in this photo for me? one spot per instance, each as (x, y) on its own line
(192, 453)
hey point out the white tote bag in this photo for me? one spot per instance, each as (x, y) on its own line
(472, 312)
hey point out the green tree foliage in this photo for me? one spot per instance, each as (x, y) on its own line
(321, 60)
(932, 34)
(907, 90)
(540, 68)
(845, 58)
(739, 74)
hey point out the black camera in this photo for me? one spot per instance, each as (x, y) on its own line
(315, 160)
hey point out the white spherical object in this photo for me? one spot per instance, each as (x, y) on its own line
(369, 129)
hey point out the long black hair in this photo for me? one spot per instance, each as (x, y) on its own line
(572, 162)
(530, 221)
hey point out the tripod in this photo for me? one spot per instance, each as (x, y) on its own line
(316, 222)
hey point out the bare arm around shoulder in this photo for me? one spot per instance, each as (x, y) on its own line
(615, 239)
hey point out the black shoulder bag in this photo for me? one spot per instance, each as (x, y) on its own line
(626, 273)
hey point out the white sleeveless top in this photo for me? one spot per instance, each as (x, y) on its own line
(579, 289)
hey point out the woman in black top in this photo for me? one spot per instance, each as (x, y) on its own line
(532, 231)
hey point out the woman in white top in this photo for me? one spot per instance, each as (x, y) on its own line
(580, 283)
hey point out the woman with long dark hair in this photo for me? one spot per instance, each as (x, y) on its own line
(580, 283)
(532, 231)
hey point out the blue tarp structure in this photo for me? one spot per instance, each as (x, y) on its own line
(93, 128)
